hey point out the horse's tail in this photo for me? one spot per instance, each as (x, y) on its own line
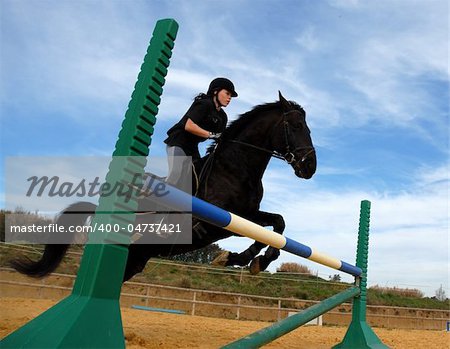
(74, 215)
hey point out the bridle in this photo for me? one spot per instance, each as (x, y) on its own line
(288, 156)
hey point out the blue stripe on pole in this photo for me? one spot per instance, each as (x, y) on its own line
(167, 195)
(179, 200)
(297, 248)
(210, 213)
(350, 269)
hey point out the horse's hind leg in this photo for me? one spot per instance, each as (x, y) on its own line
(140, 252)
(137, 259)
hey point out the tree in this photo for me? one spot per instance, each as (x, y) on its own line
(204, 255)
(440, 294)
(293, 268)
(335, 278)
(21, 218)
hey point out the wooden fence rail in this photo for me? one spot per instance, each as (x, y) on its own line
(384, 316)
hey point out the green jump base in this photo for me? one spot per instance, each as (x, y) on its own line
(69, 324)
(360, 336)
(89, 317)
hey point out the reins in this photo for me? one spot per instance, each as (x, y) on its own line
(276, 154)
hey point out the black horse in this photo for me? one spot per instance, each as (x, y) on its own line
(234, 165)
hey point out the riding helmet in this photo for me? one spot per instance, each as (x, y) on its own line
(221, 83)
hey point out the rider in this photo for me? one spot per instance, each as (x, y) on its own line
(205, 119)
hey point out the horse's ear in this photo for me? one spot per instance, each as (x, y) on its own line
(284, 103)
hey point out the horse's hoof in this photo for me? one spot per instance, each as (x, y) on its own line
(255, 268)
(221, 259)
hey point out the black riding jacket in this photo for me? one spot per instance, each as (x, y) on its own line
(202, 112)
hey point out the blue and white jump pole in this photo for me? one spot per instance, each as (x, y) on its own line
(177, 199)
(359, 334)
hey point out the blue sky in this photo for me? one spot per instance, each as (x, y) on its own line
(372, 76)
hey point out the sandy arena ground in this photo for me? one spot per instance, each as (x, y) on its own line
(144, 329)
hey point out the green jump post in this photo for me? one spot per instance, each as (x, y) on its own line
(90, 316)
(359, 334)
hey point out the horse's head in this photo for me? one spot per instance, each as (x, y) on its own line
(292, 139)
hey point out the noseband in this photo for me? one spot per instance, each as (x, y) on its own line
(288, 156)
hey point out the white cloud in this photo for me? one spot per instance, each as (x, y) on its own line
(387, 65)
(431, 176)
(188, 80)
(345, 4)
(409, 231)
(308, 40)
(73, 58)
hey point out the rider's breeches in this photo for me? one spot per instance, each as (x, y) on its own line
(179, 168)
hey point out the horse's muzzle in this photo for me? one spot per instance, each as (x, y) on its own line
(305, 166)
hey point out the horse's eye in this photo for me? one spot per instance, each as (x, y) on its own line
(297, 125)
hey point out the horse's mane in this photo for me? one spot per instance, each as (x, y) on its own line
(245, 119)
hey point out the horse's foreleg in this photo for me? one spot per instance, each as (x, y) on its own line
(261, 263)
(227, 258)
